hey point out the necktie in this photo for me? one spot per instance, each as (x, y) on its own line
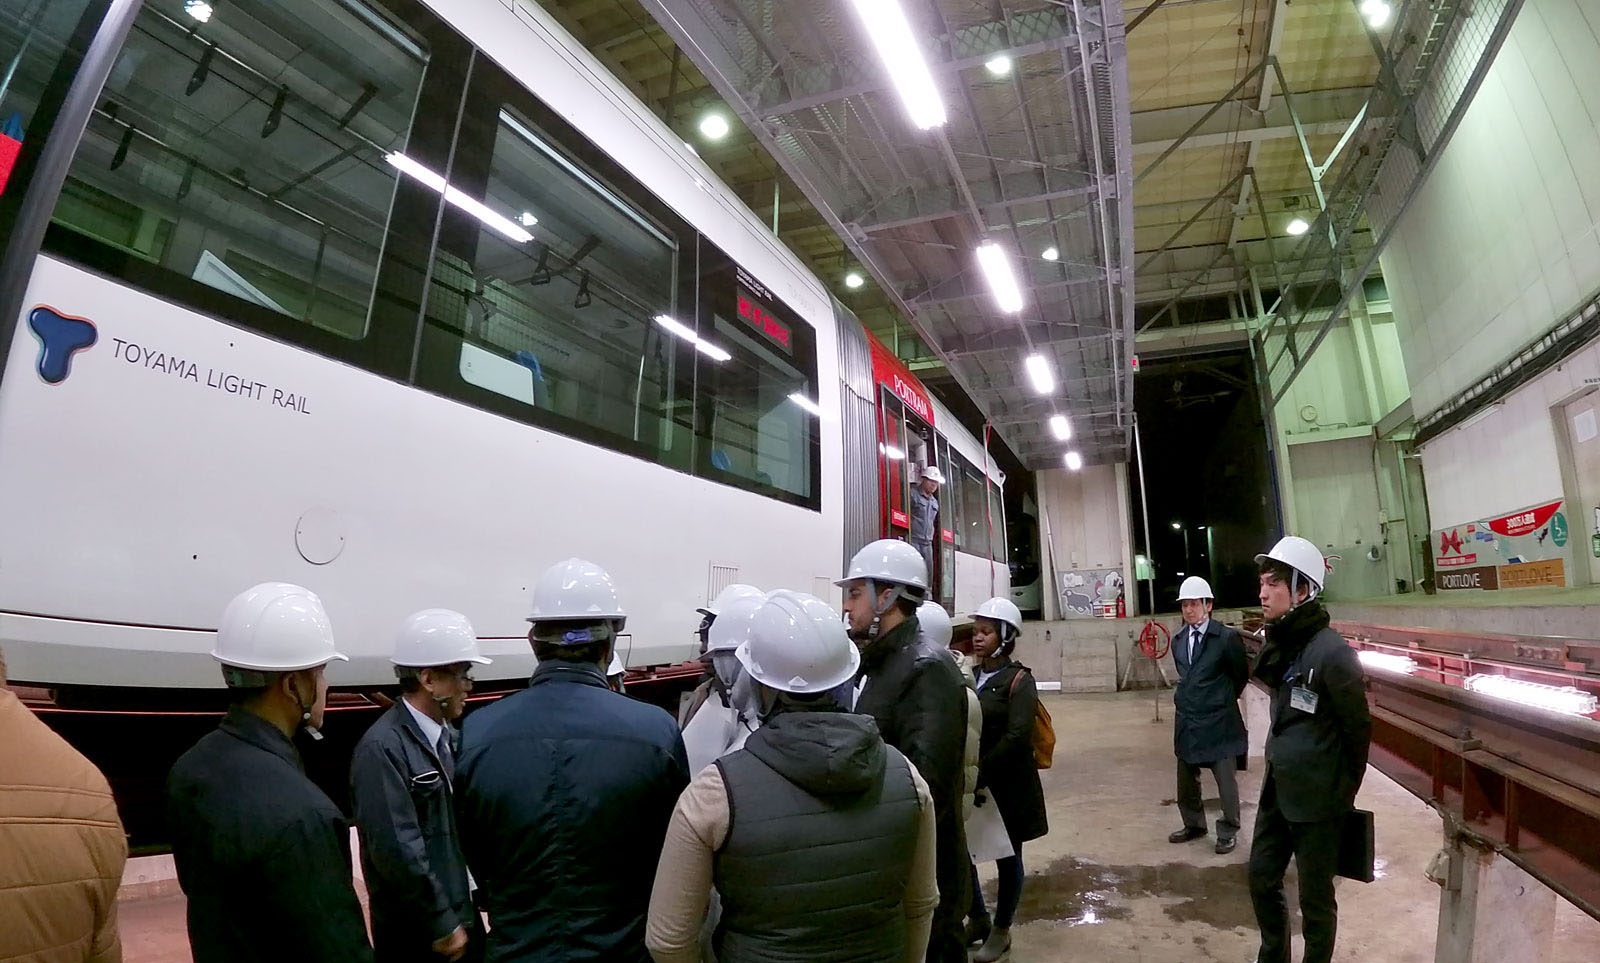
(1194, 640)
(447, 759)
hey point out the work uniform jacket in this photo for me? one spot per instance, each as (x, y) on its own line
(62, 847)
(924, 516)
(410, 850)
(915, 693)
(1006, 767)
(262, 854)
(1208, 728)
(1315, 758)
(564, 791)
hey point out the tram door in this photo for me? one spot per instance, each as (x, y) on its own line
(907, 445)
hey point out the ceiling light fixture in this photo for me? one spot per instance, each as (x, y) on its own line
(1296, 227)
(806, 403)
(456, 196)
(685, 332)
(526, 219)
(714, 127)
(854, 280)
(1050, 253)
(1074, 461)
(1039, 373)
(1376, 12)
(198, 9)
(897, 48)
(1002, 280)
(998, 65)
(1060, 427)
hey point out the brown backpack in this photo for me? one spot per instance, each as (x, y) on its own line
(1043, 738)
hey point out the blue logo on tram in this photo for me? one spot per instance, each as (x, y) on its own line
(60, 337)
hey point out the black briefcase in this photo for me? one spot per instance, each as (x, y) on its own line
(1356, 846)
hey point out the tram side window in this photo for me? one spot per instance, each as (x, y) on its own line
(37, 38)
(997, 513)
(547, 282)
(974, 518)
(246, 155)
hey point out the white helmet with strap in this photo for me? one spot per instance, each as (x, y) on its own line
(738, 590)
(1304, 558)
(275, 627)
(935, 623)
(1195, 587)
(1004, 611)
(893, 564)
(436, 637)
(798, 645)
(732, 626)
(577, 591)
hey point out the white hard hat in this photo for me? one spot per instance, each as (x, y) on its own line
(933, 474)
(435, 637)
(888, 561)
(275, 627)
(1001, 610)
(797, 644)
(732, 627)
(1195, 587)
(738, 590)
(1300, 555)
(575, 591)
(935, 623)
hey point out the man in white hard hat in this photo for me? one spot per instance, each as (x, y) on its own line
(564, 790)
(401, 785)
(1316, 751)
(919, 700)
(262, 854)
(726, 719)
(925, 513)
(1208, 732)
(818, 836)
(709, 685)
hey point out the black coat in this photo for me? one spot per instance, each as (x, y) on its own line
(564, 791)
(916, 694)
(1005, 762)
(262, 854)
(1315, 759)
(410, 851)
(1209, 728)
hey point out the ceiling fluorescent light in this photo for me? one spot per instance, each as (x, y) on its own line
(711, 351)
(471, 205)
(1002, 281)
(1376, 12)
(806, 403)
(685, 332)
(1074, 461)
(1060, 427)
(891, 36)
(1039, 373)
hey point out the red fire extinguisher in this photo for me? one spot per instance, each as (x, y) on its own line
(1122, 607)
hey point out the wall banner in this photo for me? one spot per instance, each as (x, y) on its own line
(1523, 549)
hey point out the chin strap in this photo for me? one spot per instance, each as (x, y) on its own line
(305, 715)
(896, 593)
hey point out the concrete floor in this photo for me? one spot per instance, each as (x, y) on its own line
(1106, 886)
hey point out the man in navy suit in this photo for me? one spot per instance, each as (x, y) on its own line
(1209, 732)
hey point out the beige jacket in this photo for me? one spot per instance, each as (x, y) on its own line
(61, 847)
(698, 830)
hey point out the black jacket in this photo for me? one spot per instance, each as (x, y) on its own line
(410, 851)
(916, 694)
(1209, 728)
(564, 791)
(822, 831)
(262, 854)
(1315, 759)
(1005, 761)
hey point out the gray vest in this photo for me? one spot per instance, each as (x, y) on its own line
(807, 879)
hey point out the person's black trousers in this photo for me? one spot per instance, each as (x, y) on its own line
(1315, 848)
(947, 941)
(1194, 809)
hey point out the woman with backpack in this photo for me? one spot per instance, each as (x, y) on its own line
(1008, 774)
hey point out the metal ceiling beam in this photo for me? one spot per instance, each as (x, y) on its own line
(963, 287)
(1041, 31)
(1240, 121)
(921, 206)
(1012, 339)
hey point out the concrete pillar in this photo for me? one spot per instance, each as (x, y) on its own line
(1490, 910)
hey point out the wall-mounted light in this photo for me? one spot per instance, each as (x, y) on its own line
(1569, 700)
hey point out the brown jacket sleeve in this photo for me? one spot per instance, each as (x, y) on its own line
(682, 888)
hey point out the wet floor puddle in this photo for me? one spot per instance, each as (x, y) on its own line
(1077, 892)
